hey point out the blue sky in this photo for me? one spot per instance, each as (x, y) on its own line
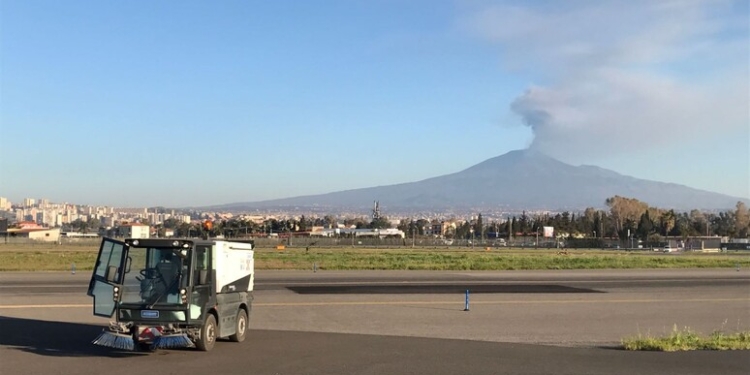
(182, 103)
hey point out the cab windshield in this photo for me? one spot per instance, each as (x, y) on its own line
(155, 275)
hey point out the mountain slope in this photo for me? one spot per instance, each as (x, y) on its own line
(520, 179)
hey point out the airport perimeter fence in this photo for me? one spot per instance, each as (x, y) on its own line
(423, 242)
(428, 242)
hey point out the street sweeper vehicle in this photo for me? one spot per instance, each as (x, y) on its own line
(171, 293)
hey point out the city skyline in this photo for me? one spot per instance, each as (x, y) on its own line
(196, 104)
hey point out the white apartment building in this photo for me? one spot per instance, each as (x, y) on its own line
(156, 218)
(134, 231)
(4, 203)
(107, 221)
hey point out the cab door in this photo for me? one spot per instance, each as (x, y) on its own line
(203, 285)
(107, 275)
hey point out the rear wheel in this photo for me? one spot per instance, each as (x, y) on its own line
(208, 334)
(241, 327)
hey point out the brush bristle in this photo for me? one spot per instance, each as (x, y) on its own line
(172, 342)
(114, 340)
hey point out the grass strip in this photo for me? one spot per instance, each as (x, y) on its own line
(686, 339)
(484, 261)
(47, 260)
(401, 259)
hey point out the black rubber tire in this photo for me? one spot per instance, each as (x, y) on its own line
(208, 334)
(240, 327)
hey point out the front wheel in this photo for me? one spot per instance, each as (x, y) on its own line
(241, 327)
(208, 334)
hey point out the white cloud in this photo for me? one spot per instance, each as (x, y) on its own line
(618, 76)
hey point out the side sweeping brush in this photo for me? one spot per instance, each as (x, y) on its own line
(115, 340)
(179, 340)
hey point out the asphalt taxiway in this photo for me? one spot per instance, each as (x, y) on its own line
(304, 322)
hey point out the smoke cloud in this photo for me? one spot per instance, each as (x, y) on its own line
(622, 76)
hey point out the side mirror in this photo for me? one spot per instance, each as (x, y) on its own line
(202, 277)
(111, 274)
(127, 264)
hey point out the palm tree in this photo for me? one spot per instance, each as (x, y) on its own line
(668, 219)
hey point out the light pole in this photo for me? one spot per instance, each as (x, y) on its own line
(413, 237)
(472, 237)
(631, 238)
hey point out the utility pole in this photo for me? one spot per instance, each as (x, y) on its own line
(510, 232)
(413, 237)
(631, 239)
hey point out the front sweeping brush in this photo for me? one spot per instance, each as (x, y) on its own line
(115, 340)
(173, 341)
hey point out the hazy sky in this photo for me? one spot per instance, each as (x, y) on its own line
(182, 103)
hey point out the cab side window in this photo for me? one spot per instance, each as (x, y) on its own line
(202, 265)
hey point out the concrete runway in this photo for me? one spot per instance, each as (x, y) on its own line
(520, 322)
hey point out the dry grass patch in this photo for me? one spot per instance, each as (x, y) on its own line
(686, 339)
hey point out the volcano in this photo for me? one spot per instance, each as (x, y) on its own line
(517, 180)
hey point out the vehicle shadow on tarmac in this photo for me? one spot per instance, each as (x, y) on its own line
(57, 339)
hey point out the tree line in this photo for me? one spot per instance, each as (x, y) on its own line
(624, 218)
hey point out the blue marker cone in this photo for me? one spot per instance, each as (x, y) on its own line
(466, 306)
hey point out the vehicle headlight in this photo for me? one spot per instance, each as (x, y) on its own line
(116, 293)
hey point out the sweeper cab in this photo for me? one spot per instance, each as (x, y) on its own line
(171, 293)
